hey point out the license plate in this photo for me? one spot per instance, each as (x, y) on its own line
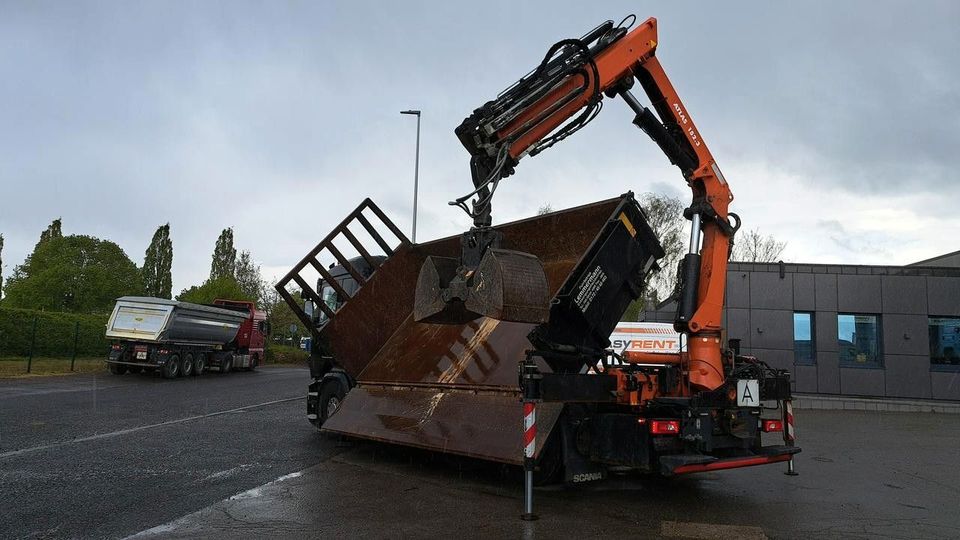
(748, 393)
(141, 355)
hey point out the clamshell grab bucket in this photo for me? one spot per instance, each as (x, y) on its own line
(454, 387)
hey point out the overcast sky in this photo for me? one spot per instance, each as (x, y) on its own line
(837, 124)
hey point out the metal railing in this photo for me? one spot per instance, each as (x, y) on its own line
(327, 247)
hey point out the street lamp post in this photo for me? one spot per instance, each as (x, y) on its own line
(416, 173)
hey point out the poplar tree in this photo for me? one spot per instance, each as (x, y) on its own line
(224, 256)
(1, 266)
(157, 262)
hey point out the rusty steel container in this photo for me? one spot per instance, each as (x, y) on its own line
(455, 387)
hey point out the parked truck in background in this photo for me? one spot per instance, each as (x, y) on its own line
(181, 339)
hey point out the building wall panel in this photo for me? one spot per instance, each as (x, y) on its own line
(862, 382)
(905, 334)
(769, 291)
(945, 385)
(858, 294)
(904, 294)
(907, 376)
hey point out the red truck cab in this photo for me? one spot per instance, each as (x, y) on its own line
(253, 331)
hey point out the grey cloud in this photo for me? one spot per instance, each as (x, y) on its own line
(278, 118)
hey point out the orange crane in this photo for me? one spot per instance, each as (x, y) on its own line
(556, 99)
(423, 346)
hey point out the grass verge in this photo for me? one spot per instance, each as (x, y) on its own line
(17, 367)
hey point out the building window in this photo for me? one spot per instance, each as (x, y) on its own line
(945, 341)
(803, 348)
(859, 340)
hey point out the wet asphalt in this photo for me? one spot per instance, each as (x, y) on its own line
(105, 456)
(232, 457)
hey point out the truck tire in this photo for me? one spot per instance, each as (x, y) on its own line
(331, 395)
(186, 365)
(118, 369)
(135, 369)
(172, 368)
(199, 364)
(254, 360)
(226, 363)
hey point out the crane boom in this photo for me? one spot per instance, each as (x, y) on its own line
(561, 96)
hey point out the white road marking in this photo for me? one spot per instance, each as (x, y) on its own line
(162, 529)
(127, 431)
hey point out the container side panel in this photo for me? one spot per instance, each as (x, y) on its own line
(486, 426)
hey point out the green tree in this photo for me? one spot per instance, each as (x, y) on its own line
(281, 316)
(224, 256)
(157, 278)
(248, 277)
(1, 266)
(225, 288)
(73, 273)
(54, 230)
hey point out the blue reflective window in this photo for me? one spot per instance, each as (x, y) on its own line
(804, 351)
(859, 340)
(945, 341)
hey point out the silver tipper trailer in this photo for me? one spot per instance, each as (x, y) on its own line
(156, 333)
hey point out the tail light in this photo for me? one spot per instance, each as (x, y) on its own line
(116, 346)
(771, 426)
(665, 427)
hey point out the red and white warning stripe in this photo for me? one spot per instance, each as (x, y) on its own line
(529, 429)
(788, 433)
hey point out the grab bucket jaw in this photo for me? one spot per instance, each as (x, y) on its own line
(507, 285)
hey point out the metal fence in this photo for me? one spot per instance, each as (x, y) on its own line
(26, 335)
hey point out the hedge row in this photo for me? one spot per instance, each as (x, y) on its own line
(283, 354)
(55, 333)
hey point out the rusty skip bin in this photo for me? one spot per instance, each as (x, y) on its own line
(454, 387)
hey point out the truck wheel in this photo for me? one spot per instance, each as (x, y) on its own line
(186, 365)
(226, 363)
(199, 364)
(253, 363)
(172, 368)
(118, 369)
(331, 395)
(135, 369)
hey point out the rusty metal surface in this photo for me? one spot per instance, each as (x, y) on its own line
(384, 304)
(485, 425)
(376, 339)
(510, 286)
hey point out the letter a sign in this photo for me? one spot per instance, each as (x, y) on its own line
(748, 393)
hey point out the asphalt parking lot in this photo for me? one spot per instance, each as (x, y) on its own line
(233, 457)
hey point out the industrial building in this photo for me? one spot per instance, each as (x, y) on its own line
(853, 330)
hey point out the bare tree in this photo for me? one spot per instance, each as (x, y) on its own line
(753, 246)
(665, 216)
(545, 209)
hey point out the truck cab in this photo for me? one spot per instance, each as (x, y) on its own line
(330, 382)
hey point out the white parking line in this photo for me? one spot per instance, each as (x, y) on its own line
(120, 432)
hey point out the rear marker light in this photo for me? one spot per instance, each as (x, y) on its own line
(664, 427)
(771, 426)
